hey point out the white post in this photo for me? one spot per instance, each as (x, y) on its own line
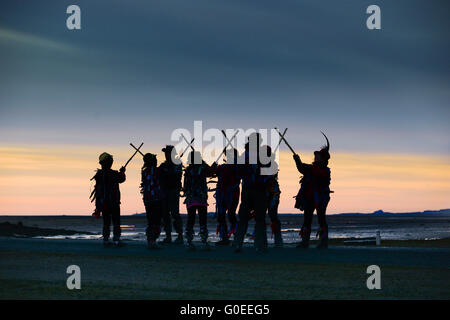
(378, 238)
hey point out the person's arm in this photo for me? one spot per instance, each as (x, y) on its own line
(142, 186)
(209, 170)
(185, 181)
(301, 167)
(121, 175)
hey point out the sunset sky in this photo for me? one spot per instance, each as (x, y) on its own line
(137, 70)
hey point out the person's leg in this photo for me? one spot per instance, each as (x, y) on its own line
(106, 214)
(242, 225)
(166, 219)
(305, 231)
(203, 217)
(323, 232)
(275, 221)
(175, 213)
(116, 223)
(154, 223)
(190, 224)
(260, 203)
(147, 214)
(232, 214)
(222, 227)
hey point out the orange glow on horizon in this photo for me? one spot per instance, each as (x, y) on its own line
(55, 180)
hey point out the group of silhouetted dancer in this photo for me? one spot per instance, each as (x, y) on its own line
(259, 194)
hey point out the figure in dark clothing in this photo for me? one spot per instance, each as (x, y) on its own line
(253, 196)
(227, 195)
(170, 179)
(106, 194)
(314, 194)
(152, 197)
(196, 192)
(273, 200)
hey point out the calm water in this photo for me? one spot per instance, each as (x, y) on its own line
(342, 227)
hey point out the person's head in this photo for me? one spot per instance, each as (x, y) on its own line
(168, 152)
(195, 157)
(323, 155)
(252, 147)
(268, 161)
(106, 160)
(150, 160)
(267, 150)
(253, 142)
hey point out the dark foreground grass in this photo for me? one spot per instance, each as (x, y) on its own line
(42, 275)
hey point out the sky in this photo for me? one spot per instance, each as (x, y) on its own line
(136, 71)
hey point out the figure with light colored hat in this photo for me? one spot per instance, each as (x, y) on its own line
(106, 195)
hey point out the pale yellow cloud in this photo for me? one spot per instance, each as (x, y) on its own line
(55, 180)
(7, 35)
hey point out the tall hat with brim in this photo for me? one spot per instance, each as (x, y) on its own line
(167, 148)
(325, 150)
(105, 157)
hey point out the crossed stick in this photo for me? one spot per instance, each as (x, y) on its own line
(229, 142)
(189, 144)
(137, 150)
(279, 142)
(283, 139)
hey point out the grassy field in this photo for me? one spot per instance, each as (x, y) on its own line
(133, 272)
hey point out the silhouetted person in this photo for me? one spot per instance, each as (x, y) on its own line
(170, 179)
(227, 195)
(107, 197)
(314, 194)
(253, 196)
(273, 200)
(196, 192)
(152, 196)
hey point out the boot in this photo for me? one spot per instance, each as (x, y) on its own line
(119, 243)
(232, 230)
(223, 242)
(179, 239)
(189, 234)
(204, 235)
(167, 239)
(240, 235)
(323, 238)
(190, 245)
(224, 239)
(305, 233)
(276, 230)
(107, 243)
(260, 237)
(151, 244)
(278, 240)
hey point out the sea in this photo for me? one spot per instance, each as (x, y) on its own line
(359, 226)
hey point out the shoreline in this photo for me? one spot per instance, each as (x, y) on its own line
(75, 229)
